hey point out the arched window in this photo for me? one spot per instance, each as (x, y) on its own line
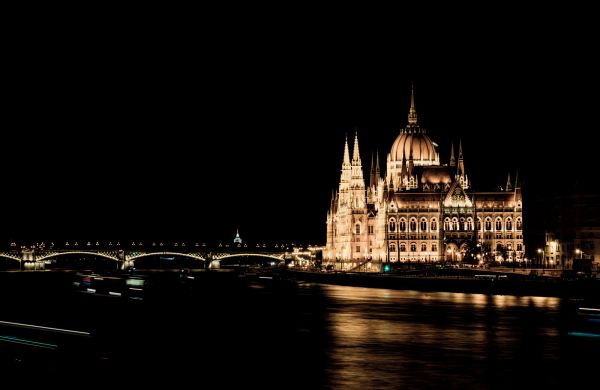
(423, 247)
(488, 224)
(357, 228)
(519, 224)
(478, 224)
(402, 247)
(433, 225)
(413, 246)
(498, 224)
(392, 247)
(423, 225)
(402, 225)
(455, 224)
(447, 225)
(413, 225)
(469, 226)
(392, 225)
(498, 247)
(509, 224)
(519, 247)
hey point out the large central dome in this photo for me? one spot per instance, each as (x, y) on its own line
(416, 145)
(413, 143)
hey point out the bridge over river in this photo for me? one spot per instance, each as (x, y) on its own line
(123, 256)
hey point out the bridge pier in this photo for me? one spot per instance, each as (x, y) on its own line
(126, 264)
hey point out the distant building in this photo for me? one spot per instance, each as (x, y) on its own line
(573, 227)
(419, 210)
(550, 256)
(237, 239)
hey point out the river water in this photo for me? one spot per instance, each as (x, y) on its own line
(263, 334)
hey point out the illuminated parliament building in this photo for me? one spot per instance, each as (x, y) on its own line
(419, 210)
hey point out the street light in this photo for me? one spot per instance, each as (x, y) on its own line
(543, 262)
(580, 253)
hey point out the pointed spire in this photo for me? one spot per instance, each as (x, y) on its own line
(460, 169)
(372, 178)
(452, 161)
(346, 152)
(508, 183)
(517, 185)
(412, 113)
(355, 153)
(377, 172)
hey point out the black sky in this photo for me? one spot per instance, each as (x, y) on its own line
(190, 133)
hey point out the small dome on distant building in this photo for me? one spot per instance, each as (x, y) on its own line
(237, 239)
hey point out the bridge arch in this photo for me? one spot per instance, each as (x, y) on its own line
(228, 256)
(10, 257)
(190, 255)
(99, 254)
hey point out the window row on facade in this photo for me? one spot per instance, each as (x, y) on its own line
(458, 224)
(413, 247)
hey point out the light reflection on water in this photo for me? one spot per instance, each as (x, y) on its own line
(408, 339)
(281, 335)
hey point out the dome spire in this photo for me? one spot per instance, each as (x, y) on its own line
(412, 113)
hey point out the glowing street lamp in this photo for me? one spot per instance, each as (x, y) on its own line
(542, 252)
(579, 253)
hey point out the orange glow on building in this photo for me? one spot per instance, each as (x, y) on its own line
(419, 210)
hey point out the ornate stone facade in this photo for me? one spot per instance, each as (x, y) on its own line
(419, 210)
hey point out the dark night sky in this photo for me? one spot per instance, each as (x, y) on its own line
(119, 133)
